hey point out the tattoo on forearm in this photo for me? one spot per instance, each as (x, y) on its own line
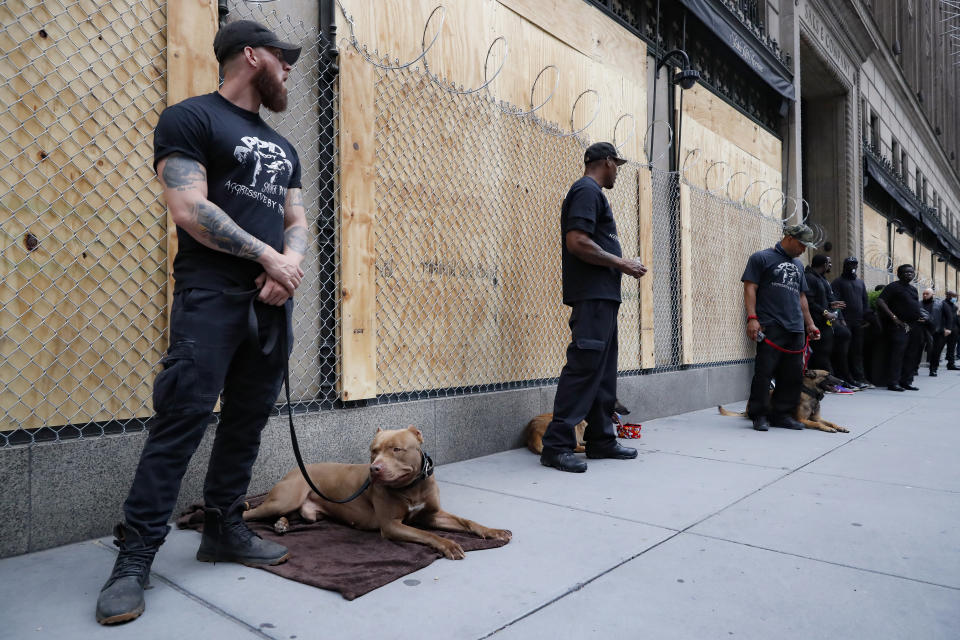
(182, 173)
(295, 239)
(221, 232)
(296, 198)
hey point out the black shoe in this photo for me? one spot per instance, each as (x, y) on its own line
(616, 451)
(563, 460)
(786, 422)
(760, 424)
(226, 538)
(951, 367)
(864, 384)
(121, 597)
(910, 387)
(933, 374)
(895, 387)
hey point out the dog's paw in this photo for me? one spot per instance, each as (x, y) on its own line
(281, 526)
(842, 429)
(580, 449)
(498, 534)
(451, 550)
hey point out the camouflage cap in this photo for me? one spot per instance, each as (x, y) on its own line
(803, 233)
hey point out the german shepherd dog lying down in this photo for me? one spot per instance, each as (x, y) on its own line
(815, 382)
(533, 433)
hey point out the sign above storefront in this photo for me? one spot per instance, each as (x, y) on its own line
(745, 44)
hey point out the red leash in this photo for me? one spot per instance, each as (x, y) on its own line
(806, 344)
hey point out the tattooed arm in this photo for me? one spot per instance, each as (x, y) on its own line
(184, 184)
(294, 245)
(295, 225)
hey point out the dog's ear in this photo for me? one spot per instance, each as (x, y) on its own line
(412, 429)
(378, 431)
(811, 373)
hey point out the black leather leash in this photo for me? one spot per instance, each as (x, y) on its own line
(266, 349)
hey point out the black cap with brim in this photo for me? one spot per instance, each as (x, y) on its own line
(602, 151)
(233, 37)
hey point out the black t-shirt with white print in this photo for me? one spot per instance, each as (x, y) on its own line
(249, 169)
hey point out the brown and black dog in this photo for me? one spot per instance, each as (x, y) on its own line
(815, 381)
(533, 433)
(403, 491)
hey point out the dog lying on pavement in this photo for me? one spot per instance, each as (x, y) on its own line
(402, 492)
(533, 433)
(815, 381)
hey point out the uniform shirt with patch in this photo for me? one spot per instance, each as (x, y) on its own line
(249, 169)
(586, 209)
(780, 281)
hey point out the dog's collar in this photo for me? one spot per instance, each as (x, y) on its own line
(810, 392)
(426, 470)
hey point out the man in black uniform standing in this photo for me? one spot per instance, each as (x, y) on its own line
(232, 186)
(899, 305)
(774, 295)
(592, 263)
(951, 302)
(853, 292)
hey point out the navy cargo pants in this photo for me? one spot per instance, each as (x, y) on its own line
(588, 381)
(219, 341)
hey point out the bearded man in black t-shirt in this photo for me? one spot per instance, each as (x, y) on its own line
(232, 186)
(592, 263)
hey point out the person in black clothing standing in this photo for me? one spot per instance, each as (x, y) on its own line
(232, 186)
(852, 291)
(899, 305)
(774, 295)
(825, 312)
(939, 326)
(951, 341)
(592, 263)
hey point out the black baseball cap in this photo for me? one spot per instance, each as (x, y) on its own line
(602, 151)
(234, 36)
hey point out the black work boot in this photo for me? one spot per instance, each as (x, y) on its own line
(121, 598)
(226, 538)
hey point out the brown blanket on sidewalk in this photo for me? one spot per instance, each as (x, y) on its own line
(337, 557)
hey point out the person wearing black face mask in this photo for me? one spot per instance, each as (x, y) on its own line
(951, 301)
(853, 292)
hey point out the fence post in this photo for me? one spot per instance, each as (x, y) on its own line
(191, 70)
(358, 311)
(645, 246)
(686, 277)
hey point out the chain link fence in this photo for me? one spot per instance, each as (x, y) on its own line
(83, 268)
(467, 271)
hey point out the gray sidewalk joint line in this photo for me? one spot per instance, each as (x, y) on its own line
(687, 455)
(192, 596)
(884, 482)
(562, 506)
(830, 562)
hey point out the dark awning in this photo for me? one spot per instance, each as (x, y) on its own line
(732, 32)
(894, 189)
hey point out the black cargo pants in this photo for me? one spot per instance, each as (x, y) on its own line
(219, 341)
(588, 382)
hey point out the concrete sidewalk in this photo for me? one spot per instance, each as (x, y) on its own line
(716, 531)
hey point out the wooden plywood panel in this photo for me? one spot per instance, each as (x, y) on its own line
(589, 51)
(902, 250)
(645, 233)
(82, 288)
(924, 265)
(358, 343)
(723, 233)
(467, 265)
(875, 233)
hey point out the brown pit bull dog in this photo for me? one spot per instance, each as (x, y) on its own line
(402, 491)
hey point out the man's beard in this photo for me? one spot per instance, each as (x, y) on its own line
(273, 94)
